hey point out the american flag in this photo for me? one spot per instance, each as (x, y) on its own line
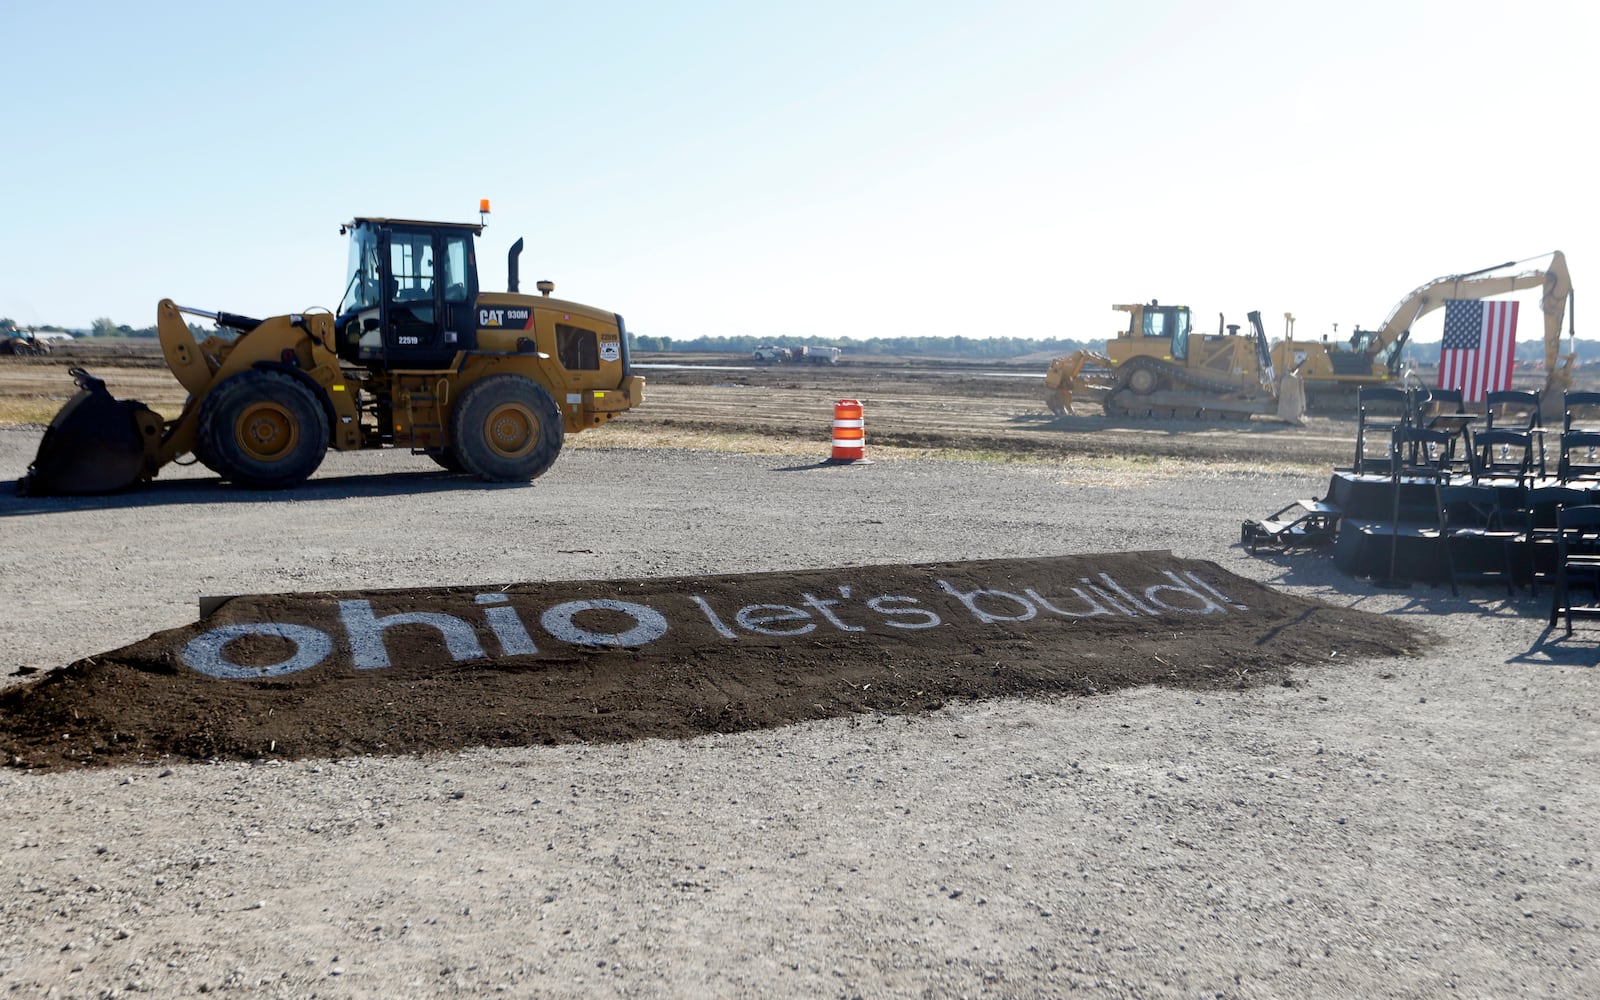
(1479, 347)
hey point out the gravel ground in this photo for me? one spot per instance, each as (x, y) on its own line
(1395, 828)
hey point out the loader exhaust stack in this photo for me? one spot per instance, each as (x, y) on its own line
(513, 282)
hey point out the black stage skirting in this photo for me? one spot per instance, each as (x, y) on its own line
(1372, 497)
(1389, 529)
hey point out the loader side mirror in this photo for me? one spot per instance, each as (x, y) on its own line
(369, 324)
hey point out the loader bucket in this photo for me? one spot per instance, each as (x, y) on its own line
(96, 444)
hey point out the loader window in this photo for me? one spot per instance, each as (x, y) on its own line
(578, 349)
(1155, 324)
(361, 280)
(455, 269)
(411, 267)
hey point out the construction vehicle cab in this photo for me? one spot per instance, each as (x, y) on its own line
(409, 293)
(1373, 353)
(417, 356)
(1157, 321)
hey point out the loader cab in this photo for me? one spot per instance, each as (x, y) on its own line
(410, 293)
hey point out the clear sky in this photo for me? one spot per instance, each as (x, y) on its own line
(828, 168)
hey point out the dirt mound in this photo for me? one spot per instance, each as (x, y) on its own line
(407, 671)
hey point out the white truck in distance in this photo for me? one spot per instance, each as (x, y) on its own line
(773, 354)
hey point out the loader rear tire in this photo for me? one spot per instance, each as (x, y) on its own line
(506, 429)
(263, 430)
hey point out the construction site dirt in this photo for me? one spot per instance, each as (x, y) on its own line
(1406, 813)
(412, 671)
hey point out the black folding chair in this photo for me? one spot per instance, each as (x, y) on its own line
(1442, 401)
(1580, 411)
(1577, 562)
(1424, 451)
(1476, 537)
(1512, 409)
(1580, 456)
(1517, 410)
(1503, 454)
(1540, 508)
(1380, 411)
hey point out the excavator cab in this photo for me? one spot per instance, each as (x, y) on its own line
(1386, 354)
(410, 293)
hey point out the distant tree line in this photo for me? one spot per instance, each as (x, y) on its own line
(102, 327)
(930, 347)
(1528, 350)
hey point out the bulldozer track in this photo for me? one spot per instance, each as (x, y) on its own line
(1123, 401)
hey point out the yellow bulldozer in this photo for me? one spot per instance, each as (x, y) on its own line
(1160, 366)
(417, 356)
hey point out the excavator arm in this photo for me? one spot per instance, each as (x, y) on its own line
(1556, 300)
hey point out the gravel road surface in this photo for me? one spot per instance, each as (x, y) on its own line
(1398, 828)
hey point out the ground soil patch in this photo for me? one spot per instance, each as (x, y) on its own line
(409, 671)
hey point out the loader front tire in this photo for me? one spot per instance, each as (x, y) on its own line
(263, 430)
(506, 429)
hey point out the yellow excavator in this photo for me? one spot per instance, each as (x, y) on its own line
(417, 356)
(1373, 357)
(1160, 366)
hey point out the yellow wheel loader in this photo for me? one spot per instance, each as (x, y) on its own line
(1161, 367)
(417, 356)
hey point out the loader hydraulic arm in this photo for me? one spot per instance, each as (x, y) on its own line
(183, 355)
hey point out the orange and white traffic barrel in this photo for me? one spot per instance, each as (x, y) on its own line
(849, 433)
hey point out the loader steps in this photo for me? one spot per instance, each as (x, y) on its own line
(423, 425)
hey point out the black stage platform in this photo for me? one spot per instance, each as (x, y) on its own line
(1388, 527)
